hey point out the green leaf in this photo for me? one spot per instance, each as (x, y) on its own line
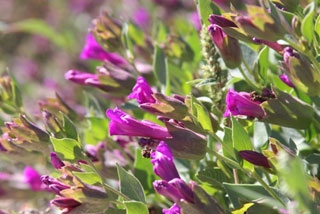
(317, 26)
(127, 41)
(240, 194)
(90, 178)
(16, 91)
(287, 110)
(203, 203)
(213, 176)
(136, 34)
(240, 138)
(143, 170)
(92, 105)
(307, 27)
(206, 8)
(130, 185)
(261, 134)
(249, 55)
(227, 144)
(160, 67)
(115, 211)
(67, 149)
(97, 130)
(263, 62)
(69, 128)
(241, 141)
(203, 117)
(313, 159)
(135, 207)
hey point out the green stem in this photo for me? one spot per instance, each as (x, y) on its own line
(252, 173)
(248, 68)
(110, 188)
(106, 186)
(247, 79)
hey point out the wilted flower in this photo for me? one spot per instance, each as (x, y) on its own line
(239, 103)
(55, 161)
(162, 159)
(27, 135)
(63, 202)
(32, 178)
(123, 124)
(286, 80)
(92, 50)
(53, 185)
(255, 158)
(142, 92)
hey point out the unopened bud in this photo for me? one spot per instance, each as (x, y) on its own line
(255, 158)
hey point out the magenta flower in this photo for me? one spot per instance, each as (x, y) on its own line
(175, 209)
(239, 103)
(92, 50)
(175, 189)
(53, 185)
(32, 178)
(255, 158)
(166, 189)
(79, 77)
(274, 45)
(55, 161)
(228, 46)
(162, 160)
(286, 80)
(142, 92)
(123, 124)
(221, 21)
(183, 188)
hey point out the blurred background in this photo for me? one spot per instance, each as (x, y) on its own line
(40, 40)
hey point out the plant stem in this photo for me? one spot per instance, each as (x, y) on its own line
(235, 176)
(248, 68)
(248, 172)
(247, 79)
(110, 188)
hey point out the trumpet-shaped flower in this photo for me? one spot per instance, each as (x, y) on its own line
(123, 124)
(239, 103)
(162, 159)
